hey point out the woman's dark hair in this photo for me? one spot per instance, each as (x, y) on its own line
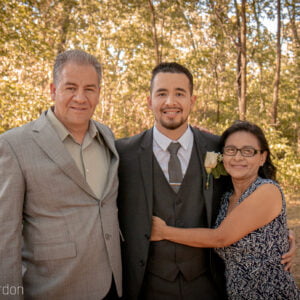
(268, 170)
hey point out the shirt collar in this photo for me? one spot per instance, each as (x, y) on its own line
(164, 142)
(94, 132)
(60, 129)
(63, 132)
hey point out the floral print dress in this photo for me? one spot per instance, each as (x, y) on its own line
(253, 269)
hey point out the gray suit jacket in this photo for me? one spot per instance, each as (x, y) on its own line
(50, 220)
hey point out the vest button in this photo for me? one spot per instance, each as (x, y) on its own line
(179, 201)
(141, 263)
(107, 236)
(179, 223)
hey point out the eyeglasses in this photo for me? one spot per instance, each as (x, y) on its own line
(245, 151)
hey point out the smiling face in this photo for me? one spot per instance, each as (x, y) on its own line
(238, 166)
(171, 103)
(76, 96)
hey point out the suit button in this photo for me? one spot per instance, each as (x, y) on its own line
(179, 201)
(179, 223)
(107, 236)
(147, 236)
(141, 263)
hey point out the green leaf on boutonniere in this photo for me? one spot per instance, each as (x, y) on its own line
(213, 164)
(219, 170)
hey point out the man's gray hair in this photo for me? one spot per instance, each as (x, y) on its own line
(75, 56)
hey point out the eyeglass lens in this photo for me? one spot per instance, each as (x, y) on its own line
(245, 151)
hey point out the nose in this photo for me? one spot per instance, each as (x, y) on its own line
(238, 154)
(170, 100)
(79, 96)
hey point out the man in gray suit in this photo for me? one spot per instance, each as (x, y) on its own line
(59, 232)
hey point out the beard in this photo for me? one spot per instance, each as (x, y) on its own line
(171, 124)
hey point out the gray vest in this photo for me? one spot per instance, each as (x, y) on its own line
(185, 209)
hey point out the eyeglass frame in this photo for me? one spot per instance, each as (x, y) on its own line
(241, 149)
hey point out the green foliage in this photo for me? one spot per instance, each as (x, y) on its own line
(129, 38)
(285, 159)
(219, 170)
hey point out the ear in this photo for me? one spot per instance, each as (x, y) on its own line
(99, 91)
(149, 101)
(193, 100)
(52, 91)
(263, 158)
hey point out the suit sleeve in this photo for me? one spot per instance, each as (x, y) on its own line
(12, 190)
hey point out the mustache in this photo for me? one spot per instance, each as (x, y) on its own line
(171, 108)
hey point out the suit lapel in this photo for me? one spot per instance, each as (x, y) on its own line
(207, 193)
(46, 137)
(114, 158)
(146, 165)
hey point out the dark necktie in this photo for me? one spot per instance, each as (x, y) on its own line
(174, 167)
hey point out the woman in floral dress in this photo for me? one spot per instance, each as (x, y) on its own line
(251, 231)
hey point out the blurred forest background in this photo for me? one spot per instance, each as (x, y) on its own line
(244, 56)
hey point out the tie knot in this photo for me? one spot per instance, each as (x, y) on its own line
(173, 148)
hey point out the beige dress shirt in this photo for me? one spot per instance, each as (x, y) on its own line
(91, 157)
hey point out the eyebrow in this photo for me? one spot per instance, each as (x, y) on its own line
(69, 83)
(91, 85)
(74, 84)
(180, 89)
(164, 90)
(246, 146)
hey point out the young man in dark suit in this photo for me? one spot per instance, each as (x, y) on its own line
(164, 270)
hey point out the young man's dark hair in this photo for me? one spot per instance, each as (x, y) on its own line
(172, 67)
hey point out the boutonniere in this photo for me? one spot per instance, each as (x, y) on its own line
(213, 164)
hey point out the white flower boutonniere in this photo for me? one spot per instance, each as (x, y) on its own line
(213, 165)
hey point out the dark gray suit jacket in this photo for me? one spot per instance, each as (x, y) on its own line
(135, 202)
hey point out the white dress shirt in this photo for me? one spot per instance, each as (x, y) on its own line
(161, 143)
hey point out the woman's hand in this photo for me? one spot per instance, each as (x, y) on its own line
(287, 258)
(158, 226)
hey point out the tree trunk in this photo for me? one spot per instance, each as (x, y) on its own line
(217, 82)
(65, 23)
(256, 11)
(292, 11)
(154, 33)
(243, 100)
(238, 59)
(278, 67)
